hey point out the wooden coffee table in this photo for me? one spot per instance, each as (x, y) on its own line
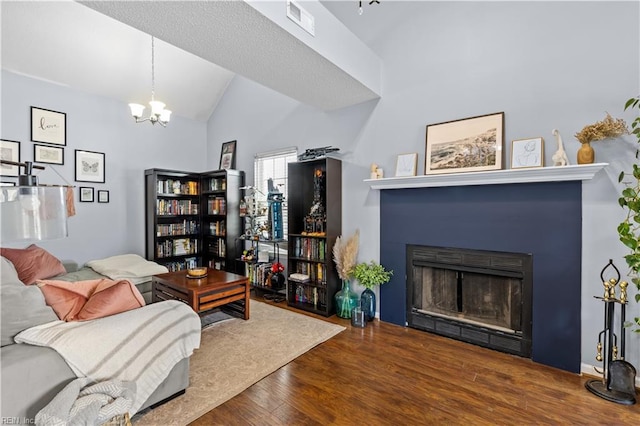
(217, 289)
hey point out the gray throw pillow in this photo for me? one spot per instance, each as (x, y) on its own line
(22, 306)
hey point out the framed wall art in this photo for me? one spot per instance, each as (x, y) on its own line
(10, 151)
(466, 145)
(527, 153)
(103, 196)
(89, 166)
(7, 184)
(48, 126)
(407, 164)
(228, 155)
(86, 194)
(48, 154)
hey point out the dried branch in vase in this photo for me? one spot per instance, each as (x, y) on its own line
(345, 253)
(608, 128)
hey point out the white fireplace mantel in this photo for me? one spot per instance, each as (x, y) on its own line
(496, 177)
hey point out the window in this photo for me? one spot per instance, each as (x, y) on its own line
(274, 165)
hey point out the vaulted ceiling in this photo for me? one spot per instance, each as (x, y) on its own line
(82, 46)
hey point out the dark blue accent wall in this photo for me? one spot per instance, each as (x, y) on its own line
(544, 219)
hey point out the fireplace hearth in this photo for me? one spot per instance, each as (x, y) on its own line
(477, 296)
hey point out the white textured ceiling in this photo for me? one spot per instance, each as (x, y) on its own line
(105, 49)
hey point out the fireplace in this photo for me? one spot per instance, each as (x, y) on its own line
(477, 296)
(542, 218)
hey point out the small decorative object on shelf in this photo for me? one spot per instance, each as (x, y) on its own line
(277, 278)
(313, 153)
(376, 172)
(344, 256)
(608, 128)
(560, 156)
(315, 221)
(370, 275)
(618, 376)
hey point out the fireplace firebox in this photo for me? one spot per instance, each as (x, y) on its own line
(477, 296)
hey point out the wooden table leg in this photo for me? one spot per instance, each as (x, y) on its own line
(247, 297)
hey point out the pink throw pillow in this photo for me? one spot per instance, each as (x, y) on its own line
(84, 300)
(110, 298)
(33, 263)
(67, 298)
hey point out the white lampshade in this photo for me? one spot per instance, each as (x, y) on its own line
(156, 107)
(32, 213)
(136, 110)
(165, 116)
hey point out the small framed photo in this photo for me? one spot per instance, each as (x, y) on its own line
(468, 145)
(228, 155)
(103, 196)
(10, 151)
(48, 126)
(407, 164)
(48, 154)
(527, 153)
(86, 194)
(89, 166)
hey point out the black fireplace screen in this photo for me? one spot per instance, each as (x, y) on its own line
(482, 297)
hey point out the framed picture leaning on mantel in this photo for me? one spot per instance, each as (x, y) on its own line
(407, 164)
(48, 126)
(467, 145)
(527, 153)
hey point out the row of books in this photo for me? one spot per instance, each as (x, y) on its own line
(216, 264)
(184, 228)
(188, 263)
(217, 228)
(317, 272)
(312, 295)
(217, 184)
(217, 248)
(177, 247)
(171, 186)
(259, 274)
(216, 205)
(309, 248)
(176, 207)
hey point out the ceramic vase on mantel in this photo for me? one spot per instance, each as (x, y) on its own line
(345, 300)
(586, 155)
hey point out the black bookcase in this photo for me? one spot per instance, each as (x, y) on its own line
(221, 222)
(179, 221)
(311, 239)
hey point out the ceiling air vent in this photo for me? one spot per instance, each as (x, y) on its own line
(301, 17)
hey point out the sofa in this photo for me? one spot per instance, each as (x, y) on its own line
(33, 374)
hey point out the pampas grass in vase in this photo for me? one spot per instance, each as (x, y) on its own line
(344, 255)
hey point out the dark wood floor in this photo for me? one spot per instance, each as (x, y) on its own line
(385, 374)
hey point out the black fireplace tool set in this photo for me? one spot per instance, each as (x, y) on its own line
(618, 376)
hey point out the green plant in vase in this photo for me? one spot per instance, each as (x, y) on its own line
(344, 256)
(370, 275)
(629, 229)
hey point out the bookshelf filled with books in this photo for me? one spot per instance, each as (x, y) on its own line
(191, 217)
(314, 223)
(221, 223)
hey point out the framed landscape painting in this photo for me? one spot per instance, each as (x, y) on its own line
(468, 145)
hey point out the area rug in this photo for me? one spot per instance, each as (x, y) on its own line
(235, 354)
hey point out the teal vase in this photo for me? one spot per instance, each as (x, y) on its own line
(368, 304)
(345, 300)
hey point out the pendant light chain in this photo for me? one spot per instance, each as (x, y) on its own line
(153, 70)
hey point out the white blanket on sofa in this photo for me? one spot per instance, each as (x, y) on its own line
(141, 345)
(127, 267)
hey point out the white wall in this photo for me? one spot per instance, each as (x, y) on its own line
(545, 64)
(104, 125)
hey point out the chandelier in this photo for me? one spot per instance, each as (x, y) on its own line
(158, 113)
